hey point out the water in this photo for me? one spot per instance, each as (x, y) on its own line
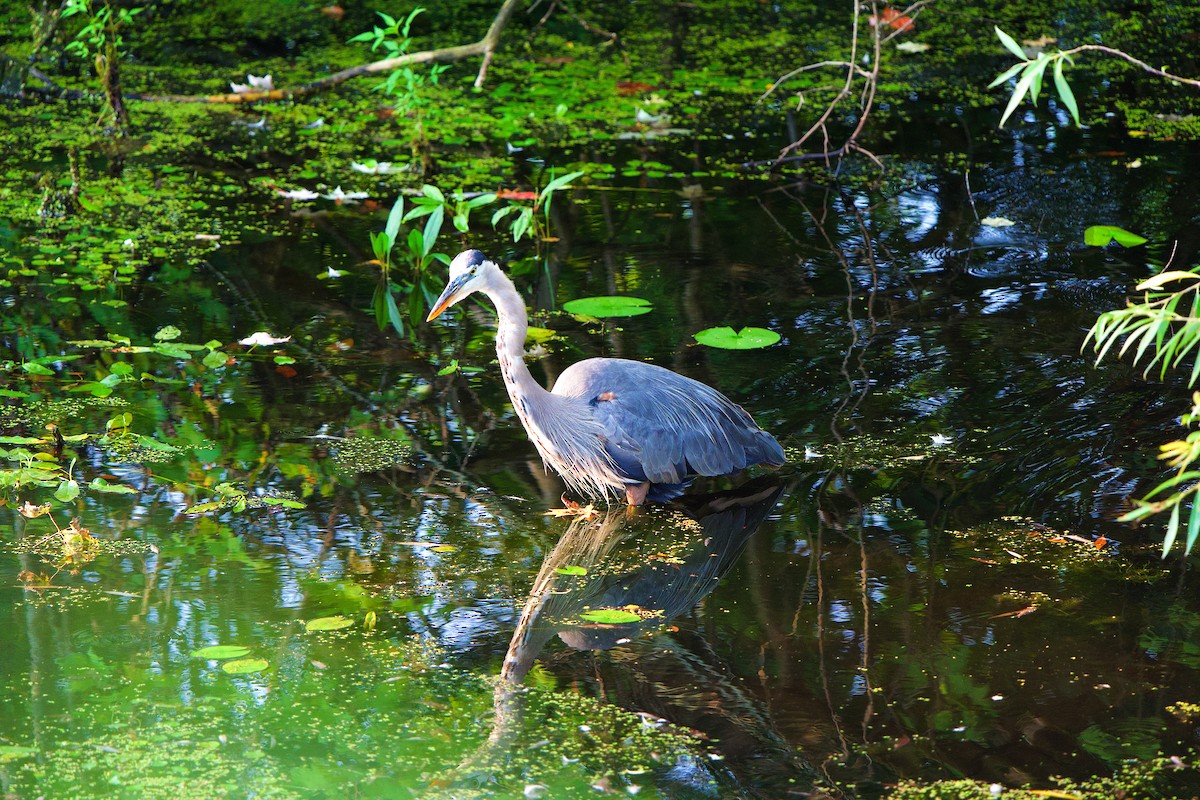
(940, 591)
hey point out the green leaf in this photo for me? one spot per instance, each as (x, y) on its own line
(572, 569)
(1039, 71)
(449, 368)
(1101, 235)
(33, 368)
(67, 491)
(167, 333)
(1010, 43)
(245, 666)
(433, 193)
(393, 312)
(1193, 527)
(1172, 530)
(281, 501)
(610, 616)
(393, 221)
(558, 183)
(101, 485)
(433, 227)
(20, 440)
(1064, 91)
(1019, 92)
(609, 306)
(727, 338)
(215, 359)
(12, 752)
(221, 652)
(334, 623)
(203, 508)
(1008, 73)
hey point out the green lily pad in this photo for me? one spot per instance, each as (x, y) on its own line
(610, 616)
(727, 338)
(612, 306)
(1100, 235)
(334, 623)
(11, 752)
(571, 570)
(221, 652)
(245, 666)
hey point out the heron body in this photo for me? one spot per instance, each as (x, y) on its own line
(612, 425)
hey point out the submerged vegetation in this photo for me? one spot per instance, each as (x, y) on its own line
(300, 539)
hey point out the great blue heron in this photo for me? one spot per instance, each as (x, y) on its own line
(613, 425)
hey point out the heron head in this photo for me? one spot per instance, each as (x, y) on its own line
(470, 271)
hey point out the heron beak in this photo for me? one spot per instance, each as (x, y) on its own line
(449, 296)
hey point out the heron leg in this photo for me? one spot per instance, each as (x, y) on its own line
(635, 493)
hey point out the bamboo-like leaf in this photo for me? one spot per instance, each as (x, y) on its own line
(1172, 530)
(1019, 92)
(393, 221)
(1163, 278)
(1144, 510)
(1193, 527)
(1009, 43)
(1173, 481)
(1008, 73)
(433, 227)
(1064, 91)
(1039, 72)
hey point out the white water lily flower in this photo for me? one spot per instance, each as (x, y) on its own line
(299, 194)
(346, 198)
(938, 440)
(263, 338)
(263, 84)
(238, 88)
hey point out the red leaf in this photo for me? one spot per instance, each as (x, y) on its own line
(286, 371)
(513, 194)
(632, 87)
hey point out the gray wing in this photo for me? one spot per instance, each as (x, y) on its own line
(662, 427)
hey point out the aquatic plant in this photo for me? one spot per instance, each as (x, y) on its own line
(1163, 327)
(101, 38)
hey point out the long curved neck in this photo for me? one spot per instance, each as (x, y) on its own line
(510, 343)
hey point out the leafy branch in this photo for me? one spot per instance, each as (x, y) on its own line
(1165, 326)
(1032, 71)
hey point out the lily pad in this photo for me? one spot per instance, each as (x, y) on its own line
(610, 306)
(11, 752)
(610, 616)
(245, 666)
(727, 338)
(571, 570)
(334, 623)
(1100, 235)
(221, 652)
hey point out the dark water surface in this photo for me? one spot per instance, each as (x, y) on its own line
(938, 589)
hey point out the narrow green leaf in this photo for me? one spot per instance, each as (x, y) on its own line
(1193, 526)
(433, 227)
(1010, 43)
(1018, 93)
(1008, 73)
(1039, 72)
(1064, 92)
(392, 229)
(1172, 530)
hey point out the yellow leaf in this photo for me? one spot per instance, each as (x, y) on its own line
(1163, 278)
